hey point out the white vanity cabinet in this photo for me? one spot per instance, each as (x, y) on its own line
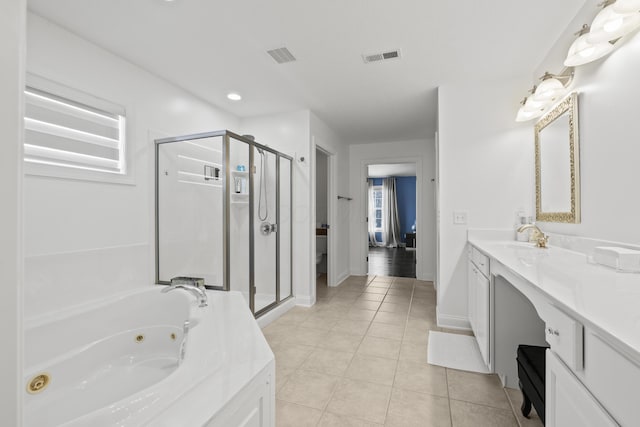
(567, 402)
(478, 299)
(588, 380)
(586, 313)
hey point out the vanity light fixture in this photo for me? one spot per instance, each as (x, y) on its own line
(617, 19)
(610, 24)
(543, 96)
(234, 96)
(626, 6)
(582, 51)
(532, 104)
(551, 88)
(530, 110)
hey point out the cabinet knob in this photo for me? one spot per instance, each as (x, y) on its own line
(553, 332)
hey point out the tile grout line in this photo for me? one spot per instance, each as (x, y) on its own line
(512, 406)
(386, 413)
(334, 298)
(446, 376)
(342, 377)
(333, 391)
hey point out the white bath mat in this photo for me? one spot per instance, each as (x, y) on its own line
(455, 351)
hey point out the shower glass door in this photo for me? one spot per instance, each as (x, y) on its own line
(189, 209)
(239, 218)
(265, 229)
(223, 214)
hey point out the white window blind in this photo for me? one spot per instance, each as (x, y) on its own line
(71, 133)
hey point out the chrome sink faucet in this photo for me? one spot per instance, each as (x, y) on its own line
(537, 235)
(199, 293)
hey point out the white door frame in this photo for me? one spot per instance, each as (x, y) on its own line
(363, 231)
(332, 213)
(13, 53)
(436, 196)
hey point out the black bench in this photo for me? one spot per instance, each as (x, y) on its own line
(531, 374)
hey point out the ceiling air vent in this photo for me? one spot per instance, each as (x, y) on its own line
(281, 55)
(392, 54)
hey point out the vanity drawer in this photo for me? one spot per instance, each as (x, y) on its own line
(481, 261)
(612, 378)
(565, 336)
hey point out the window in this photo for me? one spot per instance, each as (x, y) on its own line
(72, 134)
(377, 208)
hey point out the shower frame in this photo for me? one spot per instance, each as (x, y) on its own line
(226, 136)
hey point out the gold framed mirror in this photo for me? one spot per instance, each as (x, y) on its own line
(558, 163)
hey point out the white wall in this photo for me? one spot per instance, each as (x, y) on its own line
(85, 239)
(609, 130)
(338, 211)
(12, 55)
(423, 153)
(486, 169)
(289, 134)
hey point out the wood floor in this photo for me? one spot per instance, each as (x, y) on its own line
(397, 262)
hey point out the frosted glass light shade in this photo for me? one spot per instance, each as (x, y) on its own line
(532, 104)
(525, 115)
(549, 90)
(626, 6)
(610, 25)
(582, 52)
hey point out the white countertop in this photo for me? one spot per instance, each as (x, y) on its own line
(598, 296)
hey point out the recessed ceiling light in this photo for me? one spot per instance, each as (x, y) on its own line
(234, 96)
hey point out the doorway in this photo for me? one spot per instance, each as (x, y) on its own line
(322, 218)
(392, 219)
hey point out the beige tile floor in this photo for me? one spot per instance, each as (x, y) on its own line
(358, 357)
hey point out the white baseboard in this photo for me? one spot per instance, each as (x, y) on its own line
(341, 278)
(357, 272)
(278, 311)
(304, 301)
(426, 277)
(452, 322)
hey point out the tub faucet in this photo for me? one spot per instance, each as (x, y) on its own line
(196, 291)
(537, 235)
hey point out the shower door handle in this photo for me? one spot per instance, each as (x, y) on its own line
(268, 228)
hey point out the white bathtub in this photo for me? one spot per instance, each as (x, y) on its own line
(120, 362)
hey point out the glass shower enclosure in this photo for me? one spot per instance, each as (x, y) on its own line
(223, 215)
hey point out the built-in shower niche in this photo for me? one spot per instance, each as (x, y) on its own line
(223, 213)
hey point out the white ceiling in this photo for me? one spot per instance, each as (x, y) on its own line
(213, 47)
(394, 169)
